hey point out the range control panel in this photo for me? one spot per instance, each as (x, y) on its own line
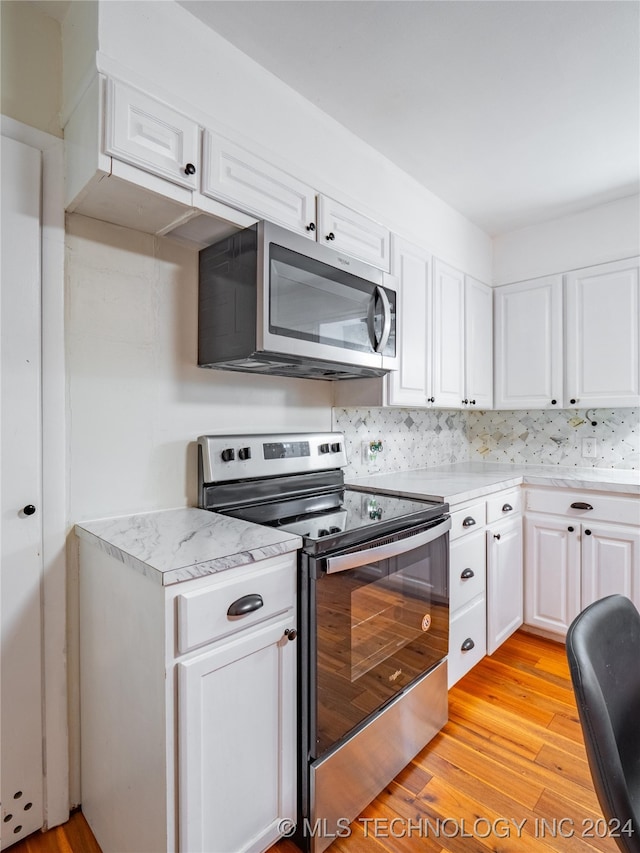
(241, 457)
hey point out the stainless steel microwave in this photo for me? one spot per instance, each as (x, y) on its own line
(272, 301)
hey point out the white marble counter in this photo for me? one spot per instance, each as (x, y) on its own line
(464, 481)
(175, 545)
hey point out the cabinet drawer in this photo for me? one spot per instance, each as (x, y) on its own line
(465, 521)
(498, 505)
(203, 614)
(604, 507)
(467, 627)
(467, 569)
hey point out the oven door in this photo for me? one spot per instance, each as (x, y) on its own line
(378, 620)
(318, 304)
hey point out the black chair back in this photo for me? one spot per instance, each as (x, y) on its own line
(603, 650)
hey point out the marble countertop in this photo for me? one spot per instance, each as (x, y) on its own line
(464, 481)
(175, 545)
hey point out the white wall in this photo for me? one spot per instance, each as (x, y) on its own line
(137, 400)
(605, 233)
(218, 85)
(31, 56)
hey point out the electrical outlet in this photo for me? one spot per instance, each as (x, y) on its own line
(589, 448)
(370, 450)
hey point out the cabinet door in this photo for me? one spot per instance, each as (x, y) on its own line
(146, 133)
(610, 562)
(237, 734)
(448, 336)
(528, 344)
(350, 232)
(602, 335)
(552, 573)
(410, 384)
(233, 175)
(505, 595)
(478, 340)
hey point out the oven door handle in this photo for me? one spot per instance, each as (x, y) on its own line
(382, 552)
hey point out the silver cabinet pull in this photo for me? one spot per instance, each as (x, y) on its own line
(467, 573)
(507, 508)
(581, 505)
(469, 521)
(467, 645)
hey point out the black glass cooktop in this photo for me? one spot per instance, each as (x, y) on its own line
(334, 519)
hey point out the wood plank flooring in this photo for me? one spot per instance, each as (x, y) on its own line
(507, 774)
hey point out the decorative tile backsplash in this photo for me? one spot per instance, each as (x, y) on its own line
(423, 438)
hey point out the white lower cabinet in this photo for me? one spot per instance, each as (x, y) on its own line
(485, 578)
(590, 551)
(237, 745)
(187, 713)
(468, 611)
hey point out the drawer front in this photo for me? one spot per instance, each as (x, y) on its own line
(467, 569)
(603, 507)
(468, 628)
(465, 521)
(504, 505)
(203, 614)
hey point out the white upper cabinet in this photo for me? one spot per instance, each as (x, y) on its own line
(528, 344)
(409, 385)
(448, 336)
(147, 133)
(348, 231)
(234, 175)
(478, 336)
(602, 335)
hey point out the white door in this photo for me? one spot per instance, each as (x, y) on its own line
(528, 344)
(352, 233)
(237, 732)
(603, 335)
(552, 573)
(448, 336)
(610, 562)
(235, 176)
(478, 334)
(505, 598)
(21, 725)
(408, 386)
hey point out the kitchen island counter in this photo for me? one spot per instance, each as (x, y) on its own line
(464, 481)
(176, 545)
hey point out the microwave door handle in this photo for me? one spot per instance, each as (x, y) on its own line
(371, 326)
(382, 552)
(386, 310)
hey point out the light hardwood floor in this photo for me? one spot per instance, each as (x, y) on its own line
(507, 773)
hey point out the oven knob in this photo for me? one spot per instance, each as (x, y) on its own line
(334, 530)
(244, 453)
(336, 447)
(228, 454)
(324, 448)
(323, 531)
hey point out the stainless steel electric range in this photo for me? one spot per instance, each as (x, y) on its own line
(373, 613)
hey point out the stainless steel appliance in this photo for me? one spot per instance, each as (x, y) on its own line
(373, 616)
(272, 301)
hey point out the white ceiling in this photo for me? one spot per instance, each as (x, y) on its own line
(512, 111)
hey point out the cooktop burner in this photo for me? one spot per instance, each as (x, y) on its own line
(296, 482)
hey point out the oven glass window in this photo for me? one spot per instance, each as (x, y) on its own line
(312, 301)
(378, 628)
